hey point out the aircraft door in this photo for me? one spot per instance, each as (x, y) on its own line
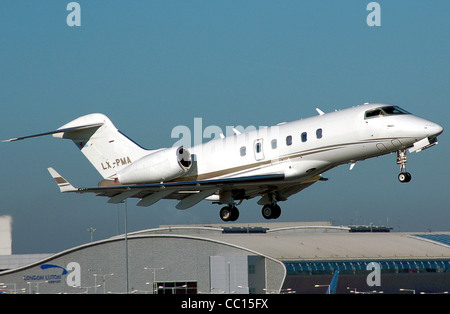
(258, 149)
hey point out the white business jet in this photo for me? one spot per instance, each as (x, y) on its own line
(272, 162)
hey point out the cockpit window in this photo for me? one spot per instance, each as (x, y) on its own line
(374, 113)
(392, 110)
(385, 111)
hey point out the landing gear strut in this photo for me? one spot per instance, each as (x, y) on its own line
(403, 176)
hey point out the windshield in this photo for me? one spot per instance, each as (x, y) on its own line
(385, 111)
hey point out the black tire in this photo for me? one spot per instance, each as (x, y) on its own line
(234, 214)
(408, 177)
(276, 211)
(267, 211)
(404, 177)
(226, 213)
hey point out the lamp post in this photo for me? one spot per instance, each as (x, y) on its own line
(104, 281)
(126, 246)
(92, 230)
(126, 242)
(154, 269)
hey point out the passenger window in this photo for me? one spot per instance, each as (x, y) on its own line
(319, 133)
(289, 140)
(304, 137)
(274, 144)
(243, 151)
(258, 148)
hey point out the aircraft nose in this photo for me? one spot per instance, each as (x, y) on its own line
(440, 130)
(434, 129)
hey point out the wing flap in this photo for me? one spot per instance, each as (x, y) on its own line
(194, 199)
(119, 198)
(155, 197)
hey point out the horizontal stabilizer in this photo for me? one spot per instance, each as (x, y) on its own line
(66, 130)
(63, 184)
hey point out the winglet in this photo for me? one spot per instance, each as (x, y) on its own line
(63, 184)
(10, 140)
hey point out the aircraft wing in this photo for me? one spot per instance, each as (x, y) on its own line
(189, 193)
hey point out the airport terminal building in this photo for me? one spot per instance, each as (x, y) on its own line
(241, 258)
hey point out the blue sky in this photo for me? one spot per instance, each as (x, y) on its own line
(153, 65)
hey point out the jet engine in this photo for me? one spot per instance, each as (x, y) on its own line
(162, 165)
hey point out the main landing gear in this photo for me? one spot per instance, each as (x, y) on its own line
(229, 213)
(271, 211)
(403, 176)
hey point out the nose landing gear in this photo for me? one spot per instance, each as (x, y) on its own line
(403, 176)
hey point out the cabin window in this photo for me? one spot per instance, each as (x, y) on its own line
(304, 137)
(258, 147)
(274, 144)
(243, 151)
(319, 133)
(289, 140)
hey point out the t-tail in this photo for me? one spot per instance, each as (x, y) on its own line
(108, 149)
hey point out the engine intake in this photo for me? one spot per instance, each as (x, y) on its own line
(164, 165)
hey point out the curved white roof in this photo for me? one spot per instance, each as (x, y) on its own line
(324, 243)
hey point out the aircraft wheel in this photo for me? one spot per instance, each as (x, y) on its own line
(229, 213)
(234, 214)
(404, 177)
(267, 211)
(276, 211)
(225, 213)
(271, 211)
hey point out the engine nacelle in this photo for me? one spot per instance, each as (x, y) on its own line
(163, 165)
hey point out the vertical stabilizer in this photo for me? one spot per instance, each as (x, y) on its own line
(333, 284)
(108, 149)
